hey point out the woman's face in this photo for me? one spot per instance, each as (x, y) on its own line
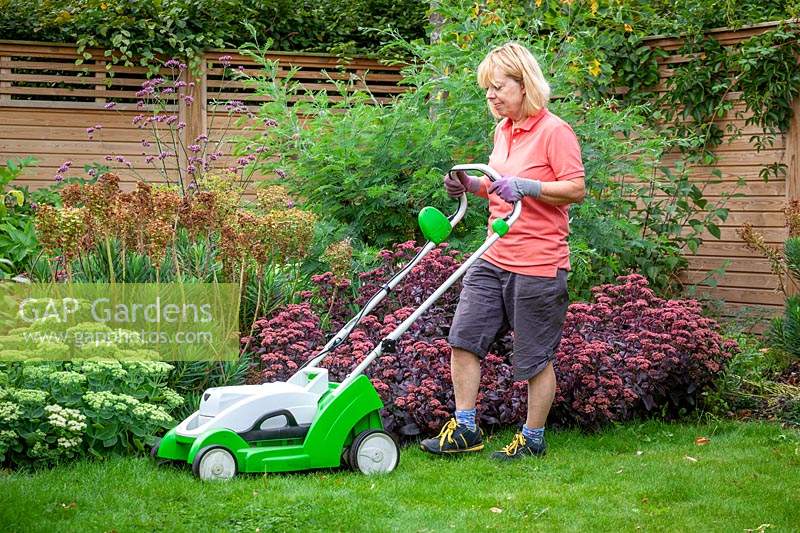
(505, 95)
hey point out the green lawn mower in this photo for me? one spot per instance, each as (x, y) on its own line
(308, 421)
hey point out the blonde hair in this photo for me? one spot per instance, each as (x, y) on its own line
(518, 63)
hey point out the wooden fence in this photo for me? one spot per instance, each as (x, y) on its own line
(47, 102)
(748, 287)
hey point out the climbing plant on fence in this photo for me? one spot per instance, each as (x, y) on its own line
(762, 68)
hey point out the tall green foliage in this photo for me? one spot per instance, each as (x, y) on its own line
(136, 31)
(372, 166)
(18, 245)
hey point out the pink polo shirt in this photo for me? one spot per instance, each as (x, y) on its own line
(543, 148)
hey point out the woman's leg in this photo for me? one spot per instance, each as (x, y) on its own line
(541, 391)
(465, 371)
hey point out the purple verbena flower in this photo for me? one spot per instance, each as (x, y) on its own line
(64, 168)
(58, 177)
(194, 148)
(225, 60)
(110, 105)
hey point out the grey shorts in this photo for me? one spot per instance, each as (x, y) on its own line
(494, 301)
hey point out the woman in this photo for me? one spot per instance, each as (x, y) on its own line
(520, 283)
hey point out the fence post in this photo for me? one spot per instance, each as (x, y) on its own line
(100, 76)
(195, 114)
(3, 73)
(792, 159)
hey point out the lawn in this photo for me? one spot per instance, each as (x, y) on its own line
(651, 476)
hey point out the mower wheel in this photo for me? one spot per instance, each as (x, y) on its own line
(154, 455)
(374, 452)
(346, 457)
(214, 463)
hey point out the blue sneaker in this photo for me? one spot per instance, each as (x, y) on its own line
(454, 438)
(519, 448)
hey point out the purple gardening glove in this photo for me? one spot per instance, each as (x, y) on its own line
(458, 182)
(513, 188)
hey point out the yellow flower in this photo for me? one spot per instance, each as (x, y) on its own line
(63, 17)
(594, 70)
(538, 3)
(491, 18)
(594, 6)
(103, 6)
(628, 27)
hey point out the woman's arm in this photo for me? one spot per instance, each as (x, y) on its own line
(563, 192)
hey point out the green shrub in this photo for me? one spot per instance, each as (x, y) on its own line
(372, 166)
(137, 31)
(51, 412)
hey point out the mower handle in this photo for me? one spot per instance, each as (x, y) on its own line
(486, 170)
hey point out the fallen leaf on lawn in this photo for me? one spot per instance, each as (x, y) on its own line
(620, 470)
(496, 510)
(372, 486)
(645, 500)
(688, 458)
(71, 505)
(639, 452)
(702, 441)
(759, 529)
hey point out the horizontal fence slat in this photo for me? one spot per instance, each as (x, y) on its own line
(753, 265)
(733, 279)
(742, 296)
(62, 114)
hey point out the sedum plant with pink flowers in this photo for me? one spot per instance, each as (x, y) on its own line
(627, 354)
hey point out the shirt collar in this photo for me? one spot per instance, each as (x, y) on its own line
(529, 123)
